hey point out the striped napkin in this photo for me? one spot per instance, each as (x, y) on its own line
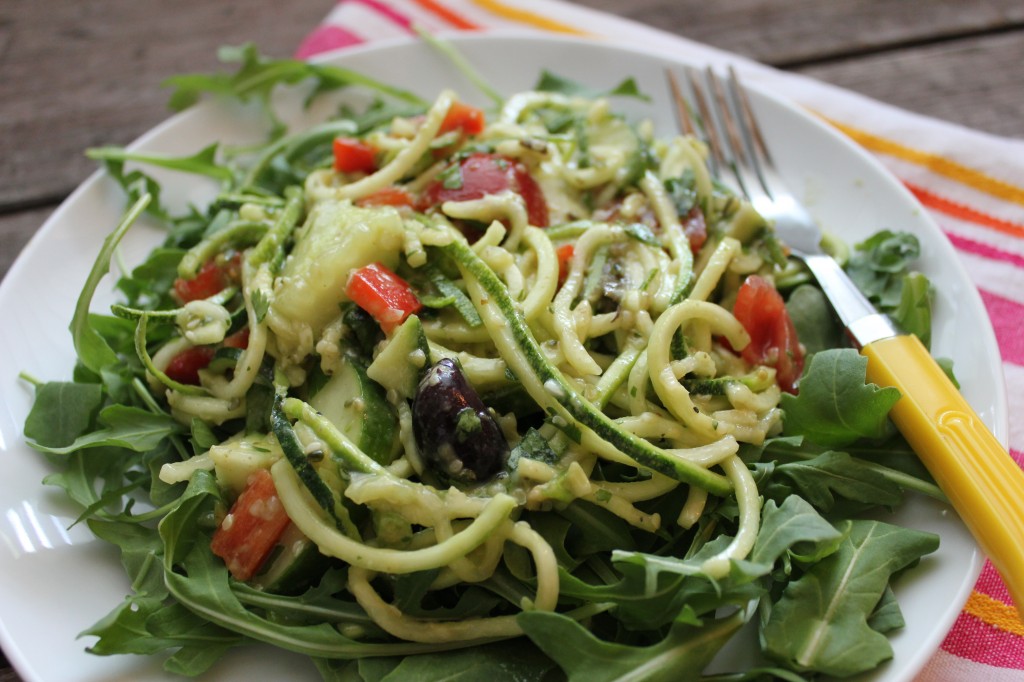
(971, 183)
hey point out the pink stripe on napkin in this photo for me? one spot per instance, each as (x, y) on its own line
(325, 38)
(975, 640)
(1008, 321)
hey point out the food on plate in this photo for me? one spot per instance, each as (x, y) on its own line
(526, 388)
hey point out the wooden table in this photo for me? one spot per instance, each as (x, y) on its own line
(80, 74)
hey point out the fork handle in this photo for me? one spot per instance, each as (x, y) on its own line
(981, 480)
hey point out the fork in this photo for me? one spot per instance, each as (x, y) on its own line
(981, 480)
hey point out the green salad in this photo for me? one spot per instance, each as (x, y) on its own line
(431, 390)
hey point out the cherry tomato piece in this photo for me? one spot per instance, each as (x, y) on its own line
(387, 196)
(464, 117)
(239, 339)
(249, 532)
(210, 280)
(695, 229)
(480, 175)
(773, 340)
(354, 156)
(387, 297)
(564, 254)
(184, 367)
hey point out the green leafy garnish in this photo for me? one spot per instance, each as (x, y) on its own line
(821, 621)
(550, 82)
(835, 406)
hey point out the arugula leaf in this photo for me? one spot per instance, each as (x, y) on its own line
(821, 621)
(124, 631)
(549, 82)
(140, 554)
(836, 473)
(878, 264)
(887, 615)
(682, 655)
(80, 471)
(835, 406)
(792, 530)
(149, 283)
(93, 350)
(511, 661)
(913, 313)
(124, 427)
(257, 76)
(203, 162)
(816, 324)
(62, 411)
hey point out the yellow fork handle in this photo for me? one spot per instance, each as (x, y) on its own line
(981, 480)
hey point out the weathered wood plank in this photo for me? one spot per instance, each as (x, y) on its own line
(79, 74)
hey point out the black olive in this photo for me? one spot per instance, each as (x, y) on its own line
(457, 434)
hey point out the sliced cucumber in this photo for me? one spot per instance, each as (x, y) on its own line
(360, 410)
(403, 361)
(238, 457)
(294, 564)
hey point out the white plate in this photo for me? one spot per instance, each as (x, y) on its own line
(56, 582)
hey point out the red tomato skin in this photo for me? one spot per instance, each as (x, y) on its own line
(387, 196)
(239, 339)
(484, 174)
(184, 367)
(464, 117)
(384, 295)
(773, 340)
(564, 254)
(695, 229)
(210, 280)
(354, 156)
(249, 532)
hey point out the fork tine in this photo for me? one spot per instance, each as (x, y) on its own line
(682, 110)
(710, 128)
(726, 118)
(747, 117)
(722, 135)
(761, 163)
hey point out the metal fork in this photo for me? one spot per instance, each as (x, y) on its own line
(984, 485)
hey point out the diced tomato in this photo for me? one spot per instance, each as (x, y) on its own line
(354, 156)
(564, 253)
(239, 339)
(210, 280)
(695, 228)
(387, 297)
(773, 341)
(481, 174)
(387, 196)
(469, 120)
(249, 532)
(184, 367)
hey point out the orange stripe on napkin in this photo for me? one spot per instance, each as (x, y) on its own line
(964, 212)
(995, 613)
(937, 164)
(526, 17)
(447, 14)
